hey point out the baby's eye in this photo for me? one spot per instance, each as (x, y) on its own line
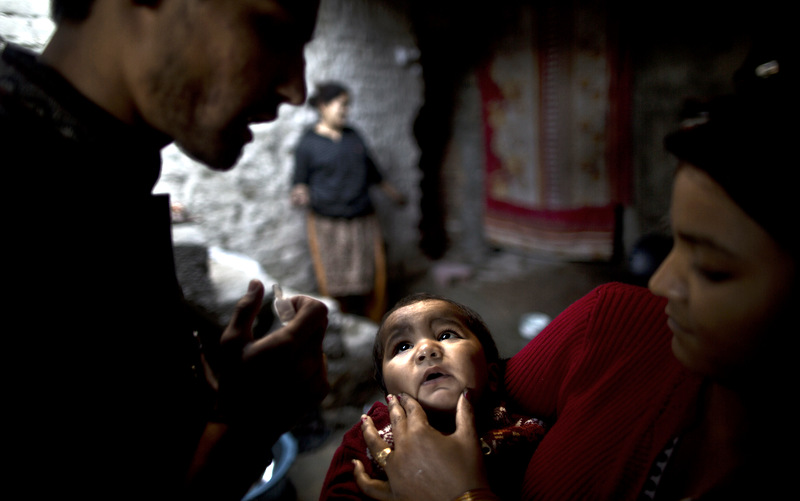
(402, 347)
(447, 335)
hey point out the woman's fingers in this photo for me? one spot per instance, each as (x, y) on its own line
(374, 488)
(405, 411)
(397, 413)
(421, 453)
(374, 441)
(377, 489)
(465, 417)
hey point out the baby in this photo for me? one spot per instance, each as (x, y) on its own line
(432, 349)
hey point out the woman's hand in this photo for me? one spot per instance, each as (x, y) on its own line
(425, 464)
(397, 196)
(299, 195)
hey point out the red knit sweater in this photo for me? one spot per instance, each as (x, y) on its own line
(339, 481)
(604, 374)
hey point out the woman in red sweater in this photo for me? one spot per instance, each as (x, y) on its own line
(683, 391)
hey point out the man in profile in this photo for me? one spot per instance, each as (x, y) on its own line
(108, 392)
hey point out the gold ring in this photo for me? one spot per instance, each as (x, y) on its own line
(380, 458)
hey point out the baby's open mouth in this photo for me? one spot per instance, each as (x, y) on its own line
(433, 376)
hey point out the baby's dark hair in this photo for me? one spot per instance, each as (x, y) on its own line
(472, 321)
(327, 92)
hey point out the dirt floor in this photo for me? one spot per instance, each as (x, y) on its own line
(503, 289)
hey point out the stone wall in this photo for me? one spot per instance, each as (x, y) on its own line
(26, 22)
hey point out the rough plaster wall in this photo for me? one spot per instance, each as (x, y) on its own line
(664, 79)
(26, 22)
(464, 174)
(247, 209)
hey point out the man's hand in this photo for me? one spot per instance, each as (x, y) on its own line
(425, 464)
(265, 386)
(269, 383)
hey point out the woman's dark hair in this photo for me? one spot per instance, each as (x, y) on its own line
(70, 10)
(327, 92)
(746, 141)
(472, 321)
(77, 10)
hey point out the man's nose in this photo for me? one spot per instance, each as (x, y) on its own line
(293, 89)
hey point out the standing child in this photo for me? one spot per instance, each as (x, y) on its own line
(433, 349)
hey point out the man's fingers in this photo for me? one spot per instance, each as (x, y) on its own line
(304, 332)
(245, 313)
(310, 321)
(316, 381)
(377, 489)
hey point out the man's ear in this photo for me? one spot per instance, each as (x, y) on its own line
(494, 376)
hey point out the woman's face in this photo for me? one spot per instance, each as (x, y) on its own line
(430, 355)
(334, 112)
(726, 280)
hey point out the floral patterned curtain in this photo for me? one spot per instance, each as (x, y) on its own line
(555, 109)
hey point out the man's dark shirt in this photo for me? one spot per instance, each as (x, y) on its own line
(105, 392)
